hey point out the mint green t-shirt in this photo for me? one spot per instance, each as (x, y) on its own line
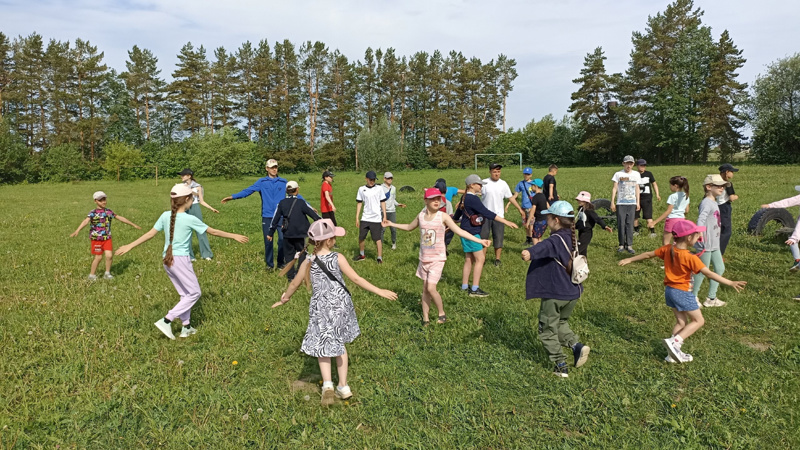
(184, 225)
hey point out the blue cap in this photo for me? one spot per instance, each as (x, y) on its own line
(372, 175)
(560, 208)
(527, 171)
(538, 182)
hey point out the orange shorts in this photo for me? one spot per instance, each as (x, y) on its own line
(98, 247)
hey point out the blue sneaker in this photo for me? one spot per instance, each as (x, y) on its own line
(561, 370)
(795, 267)
(581, 354)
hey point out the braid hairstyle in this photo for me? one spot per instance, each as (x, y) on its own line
(569, 222)
(176, 203)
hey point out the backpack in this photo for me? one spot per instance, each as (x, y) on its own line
(578, 267)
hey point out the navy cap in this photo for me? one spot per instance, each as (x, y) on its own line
(186, 172)
(493, 166)
(327, 174)
(641, 162)
(372, 175)
(727, 167)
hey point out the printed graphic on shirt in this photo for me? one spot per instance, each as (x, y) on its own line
(100, 224)
(627, 191)
(428, 239)
(644, 185)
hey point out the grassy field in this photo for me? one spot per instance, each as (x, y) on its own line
(81, 364)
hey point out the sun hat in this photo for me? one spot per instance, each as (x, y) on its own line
(98, 195)
(180, 190)
(527, 171)
(272, 163)
(560, 208)
(325, 229)
(372, 175)
(186, 172)
(584, 196)
(388, 175)
(327, 174)
(683, 227)
(538, 182)
(641, 162)
(716, 180)
(472, 179)
(433, 193)
(292, 185)
(628, 159)
(727, 167)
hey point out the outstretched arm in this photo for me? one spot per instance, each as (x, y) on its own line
(404, 226)
(143, 238)
(738, 285)
(639, 257)
(301, 275)
(128, 222)
(507, 222)
(240, 238)
(202, 201)
(80, 227)
(664, 216)
(448, 222)
(364, 284)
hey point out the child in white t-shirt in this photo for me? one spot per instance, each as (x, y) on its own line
(677, 203)
(373, 200)
(493, 193)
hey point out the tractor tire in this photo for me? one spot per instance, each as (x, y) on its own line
(764, 216)
(406, 189)
(603, 208)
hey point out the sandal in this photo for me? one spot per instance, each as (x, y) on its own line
(425, 323)
(442, 319)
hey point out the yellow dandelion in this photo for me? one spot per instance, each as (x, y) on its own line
(235, 363)
(744, 410)
(673, 405)
(346, 403)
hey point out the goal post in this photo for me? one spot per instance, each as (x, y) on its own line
(499, 154)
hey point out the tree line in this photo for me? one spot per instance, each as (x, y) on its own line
(678, 101)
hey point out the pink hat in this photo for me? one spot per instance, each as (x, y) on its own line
(584, 196)
(433, 193)
(324, 229)
(684, 227)
(180, 190)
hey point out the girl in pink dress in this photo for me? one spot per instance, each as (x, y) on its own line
(432, 252)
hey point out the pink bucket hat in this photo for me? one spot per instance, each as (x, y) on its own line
(685, 227)
(584, 196)
(433, 193)
(325, 229)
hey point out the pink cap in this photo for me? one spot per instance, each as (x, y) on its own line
(584, 196)
(685, 227)
(180, 190)
(324, 229)
(433, 193)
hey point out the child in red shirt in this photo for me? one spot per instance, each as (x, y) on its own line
(679, 267)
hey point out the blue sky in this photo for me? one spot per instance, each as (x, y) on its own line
(548, 38)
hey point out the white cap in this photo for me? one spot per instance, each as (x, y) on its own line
(388, 175)
(628, 159)
(272, 163)
(98, 195)
(292, 185)
(180, 190)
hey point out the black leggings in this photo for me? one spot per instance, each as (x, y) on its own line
(584, 238)
(291, 247)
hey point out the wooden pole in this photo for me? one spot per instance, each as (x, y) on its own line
(156, 175)
(118, 167)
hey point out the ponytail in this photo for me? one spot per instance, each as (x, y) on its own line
(681, 182)
(176, 203)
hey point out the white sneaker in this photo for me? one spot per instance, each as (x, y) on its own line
(92, 277)
(652, 235)
(193, 259)
(165, 328)
(108, 276)
(673, 350)
(700, 305)
(186, 332)
(672, 361)
(394, 246)
(343, 392)
(207, 259)
(327, 396)
(710, 303)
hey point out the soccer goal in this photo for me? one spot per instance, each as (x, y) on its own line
(505, 159)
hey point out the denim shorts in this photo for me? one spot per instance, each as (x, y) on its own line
(680, 300)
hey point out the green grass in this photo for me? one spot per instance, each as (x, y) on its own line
(82, 365)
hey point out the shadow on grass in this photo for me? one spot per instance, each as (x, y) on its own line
(620, 326)
(120, 267)
(516, 332)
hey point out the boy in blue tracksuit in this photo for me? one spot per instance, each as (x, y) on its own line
(272, 189)
(549, 281)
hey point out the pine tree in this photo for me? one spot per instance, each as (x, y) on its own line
(63, 97)
(314, 65)
(245, 92)
(190, 89)
(6, 69)
(91, 76)
(144, 85)
(224, 86)
(28, 90)
(290, 130)
(338, 107)
(368, 86)
(590, 105)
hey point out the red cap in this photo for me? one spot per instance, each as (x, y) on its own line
(433, 193)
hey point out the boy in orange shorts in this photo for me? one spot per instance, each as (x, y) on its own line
(100, 233)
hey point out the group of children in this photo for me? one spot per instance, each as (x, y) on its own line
(332, 320)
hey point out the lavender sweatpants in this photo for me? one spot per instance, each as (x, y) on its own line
(185, 281)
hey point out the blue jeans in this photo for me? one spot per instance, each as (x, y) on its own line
(269, 246)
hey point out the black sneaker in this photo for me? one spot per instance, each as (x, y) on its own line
(796, 297)
(380, 260)
(497, 263)
(561, 370)
(581, 354)
(631, 250)
(359, 258)
(529, 241)
(478, 293)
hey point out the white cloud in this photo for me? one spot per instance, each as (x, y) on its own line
(547, 38)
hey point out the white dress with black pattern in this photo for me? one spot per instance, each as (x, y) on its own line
(331, 316)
